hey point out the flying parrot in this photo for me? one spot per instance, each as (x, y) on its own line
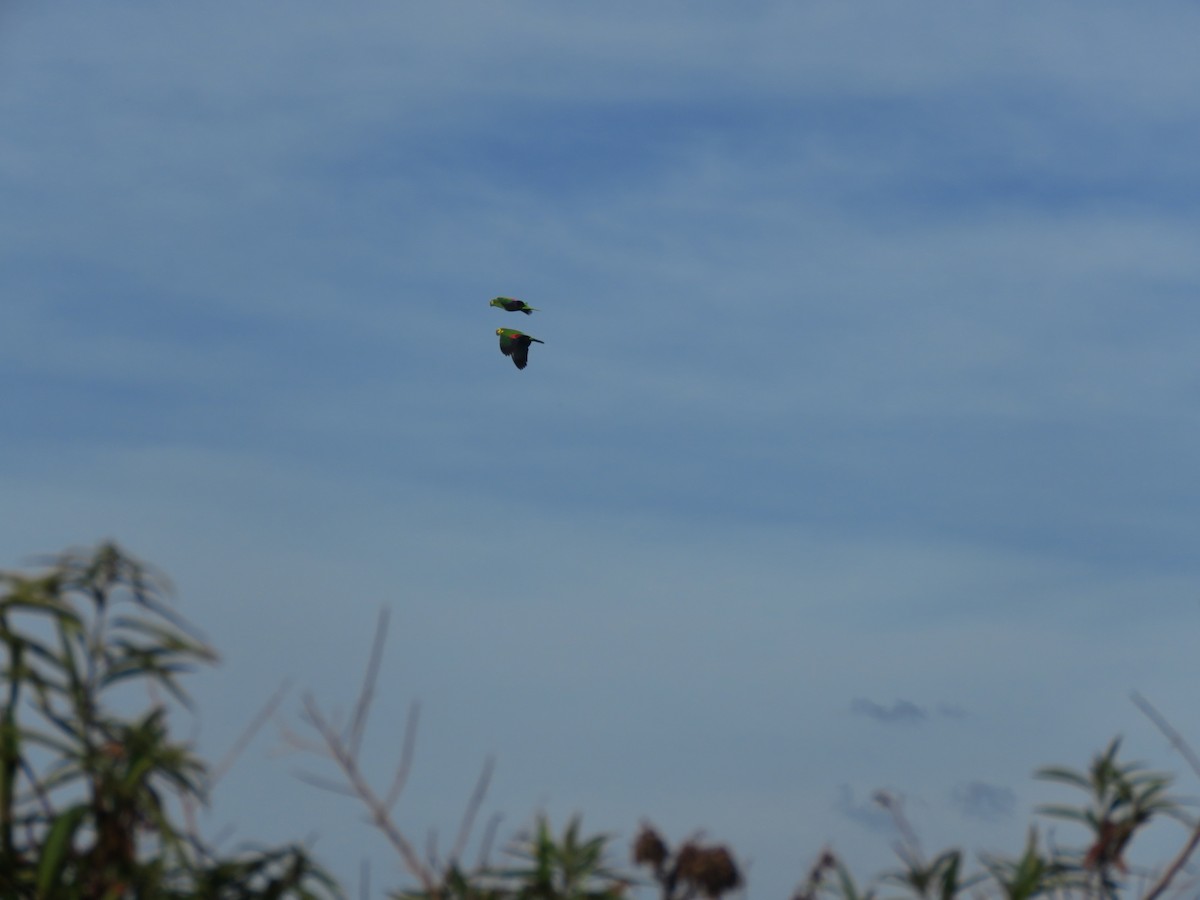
(516, 344)
(513, 305)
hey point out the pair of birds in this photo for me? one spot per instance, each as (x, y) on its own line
(512, 342)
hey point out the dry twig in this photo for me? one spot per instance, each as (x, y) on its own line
(343, 744)
(1185, 750)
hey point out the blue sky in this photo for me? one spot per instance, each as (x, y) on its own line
(861, 451)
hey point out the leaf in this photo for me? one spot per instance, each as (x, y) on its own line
(1065, 812)
(56, 847)
(847, 886)
(1064, 775)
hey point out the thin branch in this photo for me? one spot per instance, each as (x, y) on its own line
(296, 743)
(1165, 727)
(379, 814)
(1185, 750)
(191, 828)
(472, 811)
(222, 768)
(908, 835)
(36, 785)
(431, 853)
(406, 758)
(325, 784)
(358, 724)
(489, 835)
(1176, 864)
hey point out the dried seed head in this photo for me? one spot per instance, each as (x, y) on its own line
(649, 848)
(710, 869)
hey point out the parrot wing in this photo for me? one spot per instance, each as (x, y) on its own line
(520, 354)
(516, 344)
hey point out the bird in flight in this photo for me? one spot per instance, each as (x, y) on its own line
(516, 344)
(513, 305)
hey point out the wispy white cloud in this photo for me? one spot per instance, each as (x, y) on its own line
(989, 802)
(902, 711)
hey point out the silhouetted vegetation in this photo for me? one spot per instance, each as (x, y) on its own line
(99, 803)
(96, 803)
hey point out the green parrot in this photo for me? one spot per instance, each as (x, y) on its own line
(513, 305)
(516, 344)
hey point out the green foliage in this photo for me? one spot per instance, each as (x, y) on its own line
(939, 879)
(546, 867)
(1029, 876)
(847, 889)
(566, 868)
(93, 801)
(97, 797)
(1122, 799)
